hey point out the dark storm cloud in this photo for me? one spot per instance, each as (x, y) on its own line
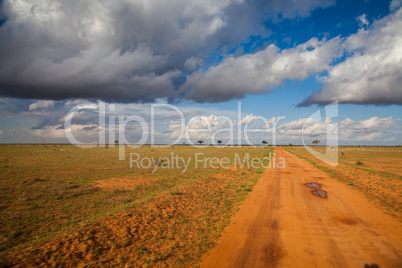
(128, 51)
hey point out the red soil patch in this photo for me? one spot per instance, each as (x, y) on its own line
(171, 230)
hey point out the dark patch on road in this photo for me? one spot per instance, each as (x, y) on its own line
(313, 185)
(321, 193)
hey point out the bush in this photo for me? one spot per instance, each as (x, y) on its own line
(359, 163)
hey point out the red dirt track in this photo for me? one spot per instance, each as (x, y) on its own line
(283, 224)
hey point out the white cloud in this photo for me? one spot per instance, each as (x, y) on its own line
(368, 137)
(308, 127)
(248, 119)
(41, 104)
(372, 129)
(260, 72)
(213, 127)
(209, 128)
(371, 123)
(363, 21)
(373, 74)
(83, 133)
(390, 139)
(48, 122)
(395, 4)
(369, 129)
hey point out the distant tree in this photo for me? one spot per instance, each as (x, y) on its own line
(200, 141)
(219, 142)
(116, 142)
(290, 144)
(44, 142)
(264, 142)
(316, 141)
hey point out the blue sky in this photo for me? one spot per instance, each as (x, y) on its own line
(276, 58)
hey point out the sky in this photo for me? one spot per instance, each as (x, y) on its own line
(240, 71)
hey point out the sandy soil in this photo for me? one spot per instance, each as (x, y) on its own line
(377, 178)
(122, 183)
(173, 229)
(283, 224)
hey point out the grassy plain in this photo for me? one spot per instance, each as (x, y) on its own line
(63, 205)
(375, 171)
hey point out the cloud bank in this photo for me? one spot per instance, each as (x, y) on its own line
(371, 129)
(46, 119)
(141, 51)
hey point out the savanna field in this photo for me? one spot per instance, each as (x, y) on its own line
(63, 205)
(69, 206)
(184, 133)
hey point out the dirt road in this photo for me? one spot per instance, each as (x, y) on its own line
(283, 224)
